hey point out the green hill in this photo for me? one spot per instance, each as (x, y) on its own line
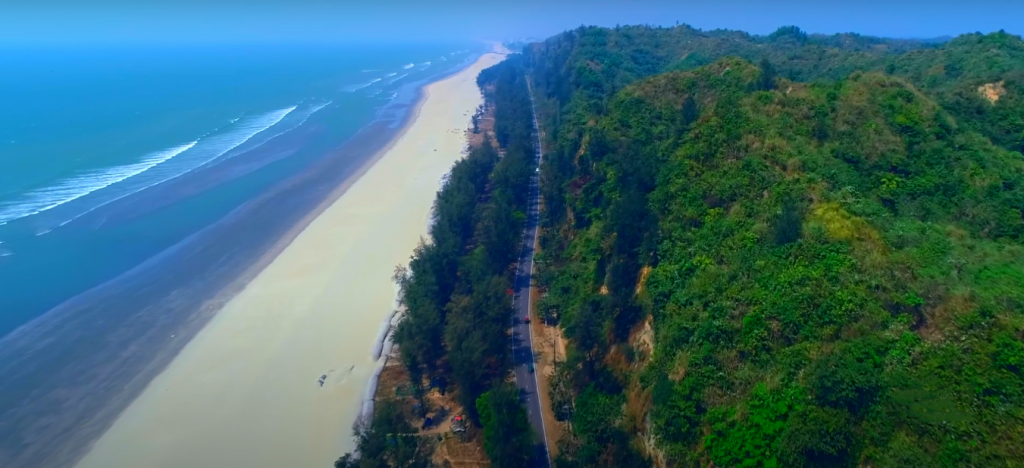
(979, 79)
(784, 251)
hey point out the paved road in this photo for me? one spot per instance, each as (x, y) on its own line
(522, 337)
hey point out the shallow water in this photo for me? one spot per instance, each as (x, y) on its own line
(82, 129)
(120, 229)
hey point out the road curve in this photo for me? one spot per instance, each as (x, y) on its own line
(522, 336)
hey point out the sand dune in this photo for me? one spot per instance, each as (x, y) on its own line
(245, 391)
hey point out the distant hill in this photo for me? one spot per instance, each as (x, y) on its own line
(596, 62)
(937, 40)
(517, 45)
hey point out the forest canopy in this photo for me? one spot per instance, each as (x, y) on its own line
(784, 250)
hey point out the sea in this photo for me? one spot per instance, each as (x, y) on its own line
(136, 182)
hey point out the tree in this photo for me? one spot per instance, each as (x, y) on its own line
(477, 339)
(848, 378)
(508, 438)
(690, 111)
(817, 437)
(388, 441)
(766, 81)
(788, 224)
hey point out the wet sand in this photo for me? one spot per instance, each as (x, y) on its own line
(244, 391)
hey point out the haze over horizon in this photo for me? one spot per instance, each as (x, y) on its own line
(281, 21)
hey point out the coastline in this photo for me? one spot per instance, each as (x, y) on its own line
(154, 416)
(231, 289)
(72, 372)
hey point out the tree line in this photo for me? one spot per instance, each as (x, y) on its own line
(454, 334)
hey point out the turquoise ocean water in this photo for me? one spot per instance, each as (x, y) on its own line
(85, 132)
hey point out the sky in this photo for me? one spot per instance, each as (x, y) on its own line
(279, 21)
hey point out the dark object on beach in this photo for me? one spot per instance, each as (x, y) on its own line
(428, 423)
(323, 378)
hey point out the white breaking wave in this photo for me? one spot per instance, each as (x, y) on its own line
(47, 198)
(397, 78)
(303, 116)
(355, 88)
(314, 110)
(390, 74)
(203, 151)
(406, 67)
(212, 148)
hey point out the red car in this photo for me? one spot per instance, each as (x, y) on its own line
(526, 320)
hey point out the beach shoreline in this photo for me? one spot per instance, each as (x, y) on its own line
(72, 372)
(151, 413)
(239, 283)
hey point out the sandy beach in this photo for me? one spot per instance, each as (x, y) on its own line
(245, 391)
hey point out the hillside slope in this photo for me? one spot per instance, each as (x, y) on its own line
(754, 271)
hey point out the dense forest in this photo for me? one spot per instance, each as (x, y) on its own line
(454, 334)
(785, 250)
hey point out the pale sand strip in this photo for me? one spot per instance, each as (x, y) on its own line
(244, 392)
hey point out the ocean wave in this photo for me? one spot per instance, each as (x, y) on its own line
(71, 189)
(200, 153)
(406, 67)
(301, 116)
(314, 109)
(354, 88)
(397, 78)
(212, 148)
(390, 75)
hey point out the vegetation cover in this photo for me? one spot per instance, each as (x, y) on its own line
(455, 293)
(789, 250)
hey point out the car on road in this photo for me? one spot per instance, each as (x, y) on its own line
(530, 368)
(526, 320)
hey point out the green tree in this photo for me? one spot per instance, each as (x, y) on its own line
(849, 378)
(766, 80)
(508, 438)
(817, 437)
(388, 441)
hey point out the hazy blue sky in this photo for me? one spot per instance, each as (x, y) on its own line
(138, 21)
